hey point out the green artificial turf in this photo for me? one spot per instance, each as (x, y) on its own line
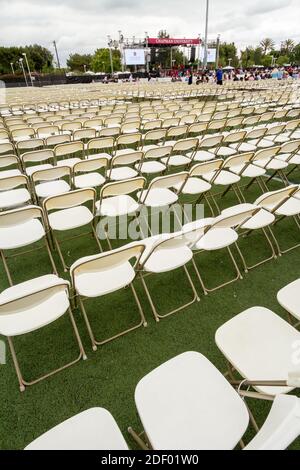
(109, 376)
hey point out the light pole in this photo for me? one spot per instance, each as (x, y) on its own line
(57, 58)
(84, 68)
(121, 45)
(12, 68)
(24, 55)
(206, 35)
(110, 54)
(22, 67)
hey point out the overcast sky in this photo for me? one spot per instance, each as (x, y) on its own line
(83, 25)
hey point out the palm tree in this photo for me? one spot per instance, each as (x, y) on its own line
(267, 44)
(287, 46)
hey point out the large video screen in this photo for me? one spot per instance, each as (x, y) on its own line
(134, 56)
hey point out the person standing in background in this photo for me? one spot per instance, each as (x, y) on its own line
(219, 76)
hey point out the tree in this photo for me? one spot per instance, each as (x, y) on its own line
(287, 47)
(267, 44)
(228, 51)
(101, 60)
(78, 61)
(39, 58)
(296, 54)
(163, 54)
(283, 59)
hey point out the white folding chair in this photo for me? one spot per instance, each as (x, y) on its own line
(51, 182)
(87, 173)
(69, 211)
(288, 297)
(122, 167)
(166, 253)
(99, 275)
(30, 306)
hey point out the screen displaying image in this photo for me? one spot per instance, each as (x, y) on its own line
(134, 56)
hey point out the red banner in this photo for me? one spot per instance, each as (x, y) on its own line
(172, 42)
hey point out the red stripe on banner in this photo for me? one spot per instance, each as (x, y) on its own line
(172, 42)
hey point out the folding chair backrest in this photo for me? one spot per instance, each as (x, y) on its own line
(235, 137)
(17, 303)
(275, 130)
(70, 199)
(290, 147)
(101, 143)
(155, 135)
(197, 128)
(51, 174)
(53, 140)
(234, 220)
(106, 260)
(118, 188)
(127, 158)
(206, 167)
(158, 152)
(8, 160)
(19, 216)
(256, 133)
(185, 145)
(238, 160)
(266, 154)
(6, 147)
(68, 149)
(275, 198)
(12, 182)
(209, 142)
(168, 181)
(85, 133)
(37, 156)
(91, 165)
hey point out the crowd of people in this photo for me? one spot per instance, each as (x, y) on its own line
(239, 74)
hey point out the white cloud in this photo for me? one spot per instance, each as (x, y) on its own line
(82, 26)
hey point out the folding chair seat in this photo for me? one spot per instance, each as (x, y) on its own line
(121, 167)
(258, 344)
(196, 408)
(207, 147)
(289, 153)
(14, 192)
(68, 149)
(99, 275)
(267, 159)
(19, 228)
(289, 299)
(49, 182)
(151, 163)
(30, 306)
(92, 429)
(182, 153)
(86, 174)
(68, 211)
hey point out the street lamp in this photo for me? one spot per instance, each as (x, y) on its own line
(12, 68)
(110, 54)
(24, 54)
(22, 67)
